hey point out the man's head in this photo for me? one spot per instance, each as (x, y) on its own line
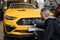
(45, 13)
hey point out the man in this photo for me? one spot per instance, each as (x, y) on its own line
(51, 26)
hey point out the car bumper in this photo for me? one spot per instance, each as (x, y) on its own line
(18, 36)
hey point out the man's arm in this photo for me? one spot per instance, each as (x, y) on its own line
(49, 30)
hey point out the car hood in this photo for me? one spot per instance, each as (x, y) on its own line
(23, 12)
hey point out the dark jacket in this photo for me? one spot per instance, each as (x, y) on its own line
(52, 29)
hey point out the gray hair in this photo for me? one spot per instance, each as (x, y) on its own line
(45, 11)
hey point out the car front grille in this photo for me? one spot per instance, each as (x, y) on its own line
(29, 21)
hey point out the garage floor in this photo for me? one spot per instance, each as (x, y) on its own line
(1, 31)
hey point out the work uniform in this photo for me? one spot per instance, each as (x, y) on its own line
(52, 29)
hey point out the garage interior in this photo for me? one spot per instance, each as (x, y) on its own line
(4, 5)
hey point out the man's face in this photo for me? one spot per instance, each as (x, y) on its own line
(42, 16)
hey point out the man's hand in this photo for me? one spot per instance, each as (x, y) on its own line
(34, 25)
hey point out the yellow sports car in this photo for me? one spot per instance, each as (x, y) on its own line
(18, 19)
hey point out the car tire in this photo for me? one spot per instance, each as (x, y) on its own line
(7, 38)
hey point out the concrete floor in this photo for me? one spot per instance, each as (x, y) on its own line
(1, 31)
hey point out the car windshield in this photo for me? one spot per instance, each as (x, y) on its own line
(21, 6)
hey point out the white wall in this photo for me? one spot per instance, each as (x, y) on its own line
(41, 3)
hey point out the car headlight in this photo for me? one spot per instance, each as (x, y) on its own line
(9, 17)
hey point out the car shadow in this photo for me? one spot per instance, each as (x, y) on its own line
(9, 38)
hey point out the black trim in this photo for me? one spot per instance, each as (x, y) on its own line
(18, 36)
(22, 31)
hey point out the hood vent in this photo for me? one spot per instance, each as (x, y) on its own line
(21, 10)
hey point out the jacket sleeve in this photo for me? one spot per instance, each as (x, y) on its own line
(40, 25)
(49, 31)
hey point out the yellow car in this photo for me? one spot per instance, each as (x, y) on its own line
(18, 19)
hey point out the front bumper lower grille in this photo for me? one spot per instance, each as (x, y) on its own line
(9, 28)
